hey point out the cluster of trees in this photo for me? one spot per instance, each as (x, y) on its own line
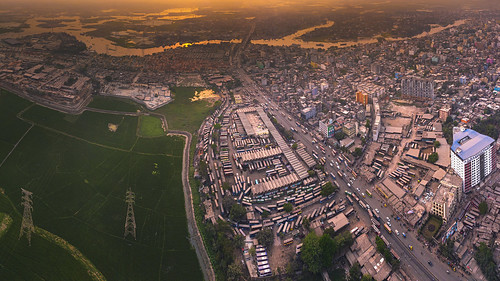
(223, 243)
(446, 249)
(266, 237)
(448, 129)
(286, 133)
(483, 207)
(357, 152)
(328, 188)
(489, 126)
(433, 158)
(382, 248)
(484, 258)
(339, 135)
(318, 252)
(236, 211)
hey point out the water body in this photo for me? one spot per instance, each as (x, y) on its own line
(294, 39)
(105, 46)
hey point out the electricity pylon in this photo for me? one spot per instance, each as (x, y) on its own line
(27, 223)
(130, 220)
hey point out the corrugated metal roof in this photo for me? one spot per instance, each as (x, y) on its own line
(468, 143)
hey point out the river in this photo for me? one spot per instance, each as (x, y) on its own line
(102, 45)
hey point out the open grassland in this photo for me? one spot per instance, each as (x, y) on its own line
(115, 104)
(150, 126)
(79, 170)
(184, 114)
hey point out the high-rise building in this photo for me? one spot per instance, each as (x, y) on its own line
(418, 88)
(473, 157)
(362, 97)
(327, 128)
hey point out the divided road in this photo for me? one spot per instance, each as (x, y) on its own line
(414, 262)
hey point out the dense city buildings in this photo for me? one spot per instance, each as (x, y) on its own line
(473, 157)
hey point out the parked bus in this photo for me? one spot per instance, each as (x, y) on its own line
(288, 241)
(368, 193)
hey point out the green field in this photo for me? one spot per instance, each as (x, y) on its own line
(79, 170)
(182, 113)
(150, 126)
(111, 103)
(431, 227)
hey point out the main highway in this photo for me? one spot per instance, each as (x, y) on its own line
(419, 263)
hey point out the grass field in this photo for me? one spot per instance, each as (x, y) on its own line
(150, 126)
(431, 227)
(182, 113)
(116, 104)
(79, 170)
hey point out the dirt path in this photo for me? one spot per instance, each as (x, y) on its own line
(194, 233)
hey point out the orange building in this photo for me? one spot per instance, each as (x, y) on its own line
(362, 98)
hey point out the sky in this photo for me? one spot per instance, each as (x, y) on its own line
(227, 4)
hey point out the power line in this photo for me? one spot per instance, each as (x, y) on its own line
(27, 223)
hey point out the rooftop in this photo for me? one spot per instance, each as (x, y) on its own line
(468, 143)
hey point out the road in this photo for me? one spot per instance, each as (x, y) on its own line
(414, 262)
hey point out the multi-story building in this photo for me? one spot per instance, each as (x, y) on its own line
(473, 157)
(349, 129)
(444, 113)
(327, 128)
(308, 112)
(418, 88)
(447, 196)
(362, 97)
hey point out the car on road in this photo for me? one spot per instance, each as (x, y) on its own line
(410, 247)
(388, 219)
(404, 234)
(389, 223)
(331, 165)
(429, 262)
(348, 184)
(362, 194)
(397, 232)
(376, 210)
(357, 188)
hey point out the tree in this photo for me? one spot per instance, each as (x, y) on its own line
(367, 277)
(266, 237)
(226, 186)
(252, 251)
(433, 158)
(311, 252)
(217, 126)
(234, 271)
(483, 207)
(355, 272)
(437, 144)
(327, 189)
(311, 173)
(294, 146)
(239, 241)
(237, 212)
(339, 135)
(357, 152)
(328, 249)
(306, 223)
(484, 257)
(228, 202)
(288, 207)
(265, 214)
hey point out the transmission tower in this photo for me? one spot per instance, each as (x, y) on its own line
(130, 221)
(27, 223)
